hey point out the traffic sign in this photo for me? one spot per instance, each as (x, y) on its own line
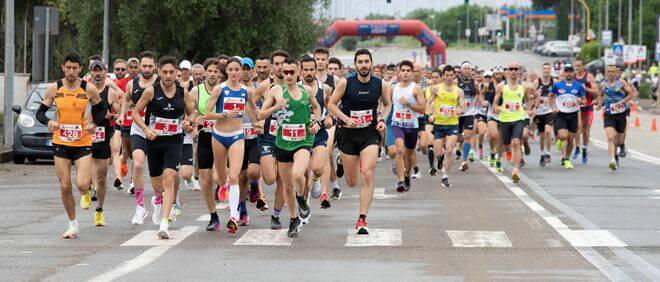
(468, 32)
(606, 37)
(617, 49)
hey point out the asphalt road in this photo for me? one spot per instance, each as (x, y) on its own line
(584, 224)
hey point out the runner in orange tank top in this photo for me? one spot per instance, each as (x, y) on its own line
(73, 128)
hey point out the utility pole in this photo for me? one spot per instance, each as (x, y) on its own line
(607, 14)
(106, 31)
(618, 28)
(641, 19)
(47, 44)
(572, 27)
(9, 73)
(630, 5)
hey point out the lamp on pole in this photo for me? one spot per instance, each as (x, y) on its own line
(459, 30)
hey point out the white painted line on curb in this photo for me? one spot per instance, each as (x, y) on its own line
(376, 238)
(635, 155)
(264, 237)
(479, 239)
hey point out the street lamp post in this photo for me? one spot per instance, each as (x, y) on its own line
(459, 30)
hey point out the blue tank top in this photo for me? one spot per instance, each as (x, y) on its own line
(231, 99)
(612, 96)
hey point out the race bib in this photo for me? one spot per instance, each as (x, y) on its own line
(70, 132)
(166, 126)
(128, 119)
(293, 132)
(249, 131)
(362, 118)
(208, 125)
(617, 108)
(273, 127)
(543, 101)
(403, 116)
(233, 103)
(446, 111)
(512, 107)
(99, 135)
(567, 103)
(468, 103)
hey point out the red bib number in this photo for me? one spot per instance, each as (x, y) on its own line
(233, 103)
(404, 116)
(446, 111)
(362, 118)
(99, 135)
(208, 125)
(617, 108)
(249, 131)
(468, 103)
(543, 101)
(293, 132)
(70, 132)
(166, 126)
(512, 107)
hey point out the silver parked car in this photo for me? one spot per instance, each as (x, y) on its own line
(32, 140)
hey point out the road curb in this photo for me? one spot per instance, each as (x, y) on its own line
(6, 155)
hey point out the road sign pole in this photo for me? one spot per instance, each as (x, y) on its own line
(9, 74)
(47, 45)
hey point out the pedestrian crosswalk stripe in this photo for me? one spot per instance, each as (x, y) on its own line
(149, 238)
(591, 238)
(479, 239)
(264, 237)
(376, 238)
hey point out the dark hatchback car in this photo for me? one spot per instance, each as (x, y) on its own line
(32, 140)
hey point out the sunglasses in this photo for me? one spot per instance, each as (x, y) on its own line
(120, 69)
(513, 69)
(288, 72)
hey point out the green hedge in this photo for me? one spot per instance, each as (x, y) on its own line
(589, 51)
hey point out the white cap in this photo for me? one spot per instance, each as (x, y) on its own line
(488, 73)
(185, 64)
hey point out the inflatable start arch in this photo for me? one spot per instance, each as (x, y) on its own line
(435, 47)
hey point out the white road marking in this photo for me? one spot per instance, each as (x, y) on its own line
(379, 194)
(591, 238)
(478, 239)
(634, 154)
(264, 237)
(554, 243)
(376, 238)
(598, 238)
(129, 266)
(149, 238)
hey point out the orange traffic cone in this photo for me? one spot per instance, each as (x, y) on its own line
(653, 126)
(636, 120)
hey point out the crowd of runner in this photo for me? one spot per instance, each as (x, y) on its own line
(234, 127)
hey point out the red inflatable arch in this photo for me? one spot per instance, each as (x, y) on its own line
(435, 47)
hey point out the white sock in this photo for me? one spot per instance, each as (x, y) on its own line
(164, 224)
(334, 184)
(268, 187)
(234, 194)
(444, 175)
(73, 222)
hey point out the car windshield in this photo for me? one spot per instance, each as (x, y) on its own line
(36, 97)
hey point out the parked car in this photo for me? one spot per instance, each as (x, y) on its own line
(545, 47)
(596, 66)
(559, 48)
(32, 140)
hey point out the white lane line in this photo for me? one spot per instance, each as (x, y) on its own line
(611, 271)
(264, 237)
(479, 239)
(129, 266)
(591, 238)
(379, 194)
(554, 243)
(376, 238)
(634, 154)
(149, 238)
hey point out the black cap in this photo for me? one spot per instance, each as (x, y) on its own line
(568, 67)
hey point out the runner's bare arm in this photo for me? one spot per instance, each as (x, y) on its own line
(126, 102)
(252, 107)
(630, 91)
(498, 95)
(210, 113)
(190, 111)
(316, 108)
(271, 103)
(420, 106)
(340, 89)
(385, 100)
(461, 101)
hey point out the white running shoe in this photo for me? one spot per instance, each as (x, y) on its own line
(162, 231)
(196, 186)
(140, 214)
(72, 233)
(158, 211)
(172, 216)
(188, 183)
(316, 189)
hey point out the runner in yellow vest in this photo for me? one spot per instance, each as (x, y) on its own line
(445, 106)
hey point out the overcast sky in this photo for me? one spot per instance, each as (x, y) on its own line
(361, 8)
